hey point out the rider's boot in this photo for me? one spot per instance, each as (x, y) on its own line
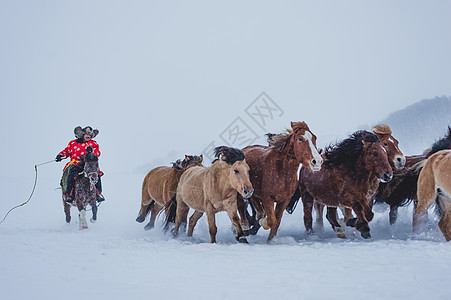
(100, 197)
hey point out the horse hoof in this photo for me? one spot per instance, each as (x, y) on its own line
(92, 220)
(254, 230)
(68, 219)
(246, 232)
(341, 235)
(140, 219)
(243, 240)
(351, 222)
(264, 223)
(148, 227)
(365, 235)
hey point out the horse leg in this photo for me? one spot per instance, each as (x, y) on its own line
(67, 211)
(232, 212)
(331, 216)
(393, 214)
(82, 219)
(258, 212)
(182, 209)
(193, 221)
(211, 222)
(364, 215)
(347, 214)
(280, 207)
(307, 202)
(319, 208)
(94, 213)
(146, 204)
(155, 208)
(244, 215)
(270, 220)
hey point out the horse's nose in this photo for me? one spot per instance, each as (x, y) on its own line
(247, 193)
(387, 177)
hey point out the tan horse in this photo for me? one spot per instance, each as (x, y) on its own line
(434, 182)
(214, 189)
(396, 159)
(159, 187)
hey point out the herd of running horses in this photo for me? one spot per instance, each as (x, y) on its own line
(257, 184)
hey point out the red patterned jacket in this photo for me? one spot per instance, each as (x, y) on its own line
(75, 150)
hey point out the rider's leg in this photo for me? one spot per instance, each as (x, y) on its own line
(73, 171)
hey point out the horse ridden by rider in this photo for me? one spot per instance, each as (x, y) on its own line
(75, 150)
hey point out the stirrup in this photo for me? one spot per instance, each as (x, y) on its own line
(100, 198)
(69, 199)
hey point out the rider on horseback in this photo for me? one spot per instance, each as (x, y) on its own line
(75, 150)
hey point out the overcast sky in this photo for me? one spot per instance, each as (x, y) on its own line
(161, 78)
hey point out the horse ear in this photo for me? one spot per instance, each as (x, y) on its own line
(291, 124)
(201, 158)
(186, 158)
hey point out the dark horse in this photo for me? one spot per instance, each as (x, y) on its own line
(85, 190)
(273, 172)
(403, 188)
(345, 180)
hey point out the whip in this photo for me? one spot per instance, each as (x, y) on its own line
(32, 192)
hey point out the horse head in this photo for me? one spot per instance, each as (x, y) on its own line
(90, 164)
(396, 158)
(375, 158)
(304, 146)
(239, 169)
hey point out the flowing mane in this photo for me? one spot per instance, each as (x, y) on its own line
(277, 141)
(382, 129)
(182, 164)
(227, 154)
(441, 144)
(347, 151)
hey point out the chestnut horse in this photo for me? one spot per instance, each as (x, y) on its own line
(396, 159)
(345, 180)
(274, 172)
(212, 190)
(85, 190)
(159, 187)
(434, 184)
(403, 188)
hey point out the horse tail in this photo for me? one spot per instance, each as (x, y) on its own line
(171, 209)
(438, 209)
(294, 201)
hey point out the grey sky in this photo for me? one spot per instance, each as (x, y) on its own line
(162, 76)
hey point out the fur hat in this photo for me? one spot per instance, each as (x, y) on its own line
(79, 132)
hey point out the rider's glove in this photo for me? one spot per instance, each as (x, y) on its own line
(59, 157)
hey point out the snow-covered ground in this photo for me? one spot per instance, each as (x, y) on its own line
(45, 258)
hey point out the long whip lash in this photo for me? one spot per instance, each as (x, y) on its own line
(32, 192)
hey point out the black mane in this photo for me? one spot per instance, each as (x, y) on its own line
(347, 151)
(229, 155)
(441, 144)
(182, 164)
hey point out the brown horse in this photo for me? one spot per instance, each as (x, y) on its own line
(403, 188)
(274, 172)
(396, 159)
(212, 190)
(434, 184)
(345, 180)
(159, 187)
(85, 190)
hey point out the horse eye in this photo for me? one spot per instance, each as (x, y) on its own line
(385, 144)
(301, 140)
(236, 171)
